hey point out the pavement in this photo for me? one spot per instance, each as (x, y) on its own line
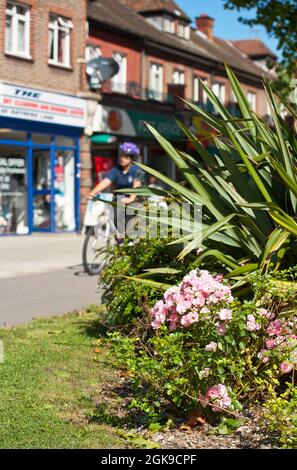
(42, 275)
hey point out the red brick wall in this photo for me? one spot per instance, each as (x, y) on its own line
(37, 72)
(110, 43)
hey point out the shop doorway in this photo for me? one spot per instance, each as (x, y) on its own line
(53, 189)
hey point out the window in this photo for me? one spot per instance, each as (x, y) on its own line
(17, 29)
(92, 52)
(251, 97)
(183, 31)
(168, 25)
(199, 94)
(178, 77)
(59, 40)
(156, 82)
(119, 81)
(219, 91)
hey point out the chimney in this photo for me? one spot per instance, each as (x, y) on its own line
(205, 23)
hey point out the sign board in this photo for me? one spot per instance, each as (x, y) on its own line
(43, 106)
(132, 123)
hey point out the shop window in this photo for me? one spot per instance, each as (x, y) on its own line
(17, 29)
(65, 141)
(119, 81)
(13, 190)
(59, 40)
(44, 139)
(9, 134)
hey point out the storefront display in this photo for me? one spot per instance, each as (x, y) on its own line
(39, 160)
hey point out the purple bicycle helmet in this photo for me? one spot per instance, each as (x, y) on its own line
(128, 148)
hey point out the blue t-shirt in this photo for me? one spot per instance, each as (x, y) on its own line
(123, 180)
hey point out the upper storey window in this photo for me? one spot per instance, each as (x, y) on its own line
(183, 31)
(17, 29)
(59, 40)
(168, 25)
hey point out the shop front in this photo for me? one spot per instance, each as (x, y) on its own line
(39, 160)
(111, 126)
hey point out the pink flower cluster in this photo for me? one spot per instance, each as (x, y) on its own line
(217, 397)
(281, 338)
(182, 304)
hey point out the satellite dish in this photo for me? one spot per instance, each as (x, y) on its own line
(100, 70)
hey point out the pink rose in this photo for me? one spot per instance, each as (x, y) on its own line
(275, 328)
(221, 328)
(286, 367)
(212, 392)
(211, 347)
(225, 314)
(270, 343)
(222, 390)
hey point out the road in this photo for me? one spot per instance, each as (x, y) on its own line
(41, 275)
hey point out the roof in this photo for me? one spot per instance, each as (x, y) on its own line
(116, 14)
(148, 6)
(254, 48)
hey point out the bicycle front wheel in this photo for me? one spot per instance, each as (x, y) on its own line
(94, 252)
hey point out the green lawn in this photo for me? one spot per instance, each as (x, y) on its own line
(50, 385)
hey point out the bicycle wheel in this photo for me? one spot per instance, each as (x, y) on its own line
(95, 251)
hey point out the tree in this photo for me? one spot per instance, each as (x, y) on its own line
(279, 17)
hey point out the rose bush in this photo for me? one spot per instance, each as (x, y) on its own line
(210, 352)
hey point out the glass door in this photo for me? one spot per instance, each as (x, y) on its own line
(42, 189)
(64, 190)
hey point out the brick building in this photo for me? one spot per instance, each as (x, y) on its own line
(58, 136)
(161, 58)
(41, 118)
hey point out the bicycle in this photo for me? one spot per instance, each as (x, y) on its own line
(101, 234)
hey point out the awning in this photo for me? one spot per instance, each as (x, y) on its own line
(102, 139)
(132, 123)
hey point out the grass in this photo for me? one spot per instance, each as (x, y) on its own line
(51, 382)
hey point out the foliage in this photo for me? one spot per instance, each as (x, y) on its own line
(247, 189)
(124, 299)
(279, 19)
(280, 416)
(225, 357)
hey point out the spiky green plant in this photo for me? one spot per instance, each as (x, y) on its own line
(248, 189)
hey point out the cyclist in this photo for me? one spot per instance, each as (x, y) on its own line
(125, 175)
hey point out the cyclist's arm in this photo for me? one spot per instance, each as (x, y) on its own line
(100, 187)
(132, 197)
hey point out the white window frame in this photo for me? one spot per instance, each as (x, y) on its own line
(198, 90)
(92, 52)
(187, 34)
(178, 77)
(58, 23)
(252, 100)
(219, 90)
(156, 90)
(168, 25)
(15, 19)
(119, 81)
(181, 30)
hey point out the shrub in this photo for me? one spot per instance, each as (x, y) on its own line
(210, 353)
